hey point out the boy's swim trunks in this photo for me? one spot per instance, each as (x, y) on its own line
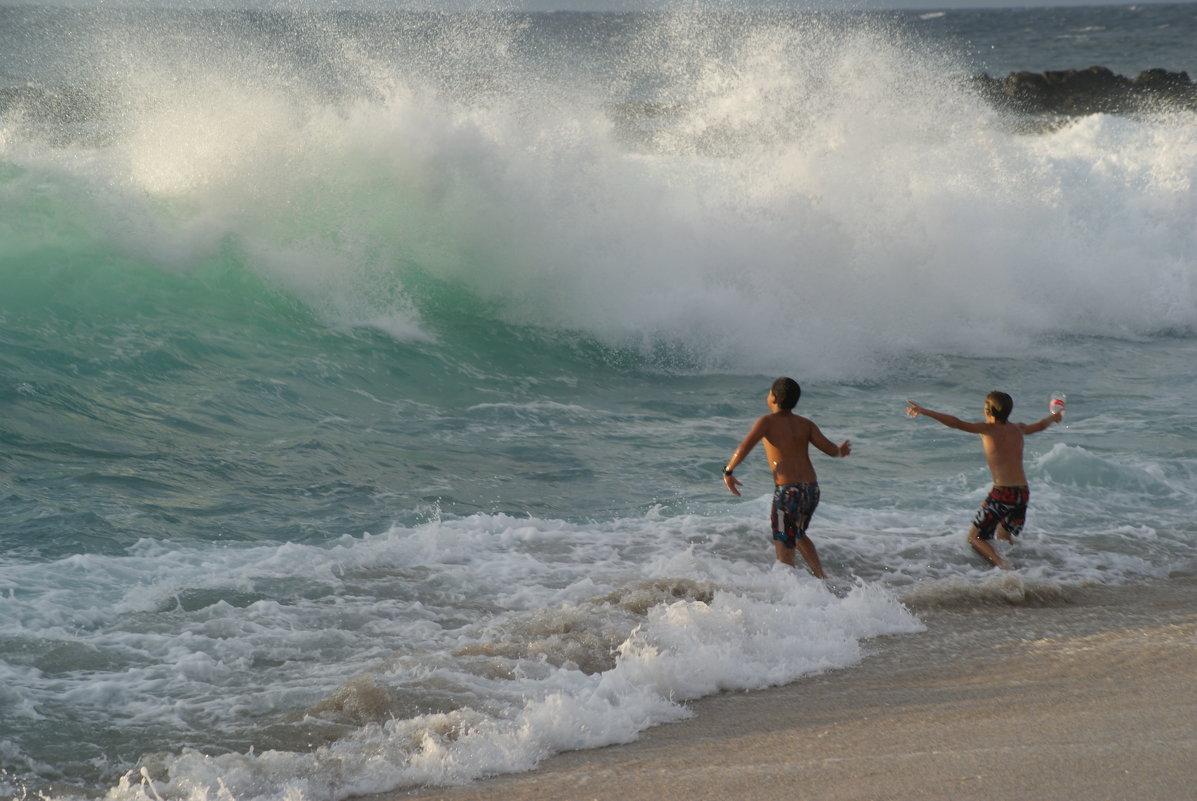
(1005, 505)
(793, 505)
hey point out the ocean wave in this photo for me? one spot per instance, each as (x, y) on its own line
(768, 194)
(1007, 589)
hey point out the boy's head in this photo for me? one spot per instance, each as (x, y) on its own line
(998, 405)
(786, 392)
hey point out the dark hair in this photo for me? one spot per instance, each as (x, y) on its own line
(786, 392)
(999, 404)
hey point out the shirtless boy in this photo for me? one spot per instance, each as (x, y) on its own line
(1005, 508)
(796, 493)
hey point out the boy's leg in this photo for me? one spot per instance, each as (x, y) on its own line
(807, 549)
(985, 549)
(785, 554)
(804, 546)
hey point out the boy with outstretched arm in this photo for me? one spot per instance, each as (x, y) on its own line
(787, 439)
(1005, 508)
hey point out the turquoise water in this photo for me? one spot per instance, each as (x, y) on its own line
(366, 379)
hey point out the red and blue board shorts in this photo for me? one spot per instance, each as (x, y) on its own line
(1005, 505)
(793, 505)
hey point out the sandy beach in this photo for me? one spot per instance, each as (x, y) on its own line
(1092, 696)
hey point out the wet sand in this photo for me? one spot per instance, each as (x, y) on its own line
(1089, 698)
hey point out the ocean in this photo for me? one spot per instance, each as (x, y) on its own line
(366, 376)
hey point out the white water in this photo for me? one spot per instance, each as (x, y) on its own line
(813, 184)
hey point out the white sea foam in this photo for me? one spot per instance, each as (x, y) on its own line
(557, 649)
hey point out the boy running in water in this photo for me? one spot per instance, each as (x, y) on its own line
(1006, 505)
(796, 493)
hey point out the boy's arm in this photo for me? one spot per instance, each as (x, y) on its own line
(1039, 425)
(755, 435)
(914, 410)
(820, 441)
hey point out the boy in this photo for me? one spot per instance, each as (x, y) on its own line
(1006, 506)
(796, 492)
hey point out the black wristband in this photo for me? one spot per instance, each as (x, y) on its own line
(726, 472)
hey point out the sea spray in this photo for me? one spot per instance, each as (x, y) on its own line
(750, 202)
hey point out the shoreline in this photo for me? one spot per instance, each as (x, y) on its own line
(1089, 698)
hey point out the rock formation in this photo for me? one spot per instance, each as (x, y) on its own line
(1091, 91)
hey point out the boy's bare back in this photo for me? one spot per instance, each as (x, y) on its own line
(787, 438)
(1003, 452)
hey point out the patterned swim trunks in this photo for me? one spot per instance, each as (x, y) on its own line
(793, 505)
(1005, 505)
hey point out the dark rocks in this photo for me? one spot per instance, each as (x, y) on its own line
(1096, 90)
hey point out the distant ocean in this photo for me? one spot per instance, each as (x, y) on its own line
(365, 377)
